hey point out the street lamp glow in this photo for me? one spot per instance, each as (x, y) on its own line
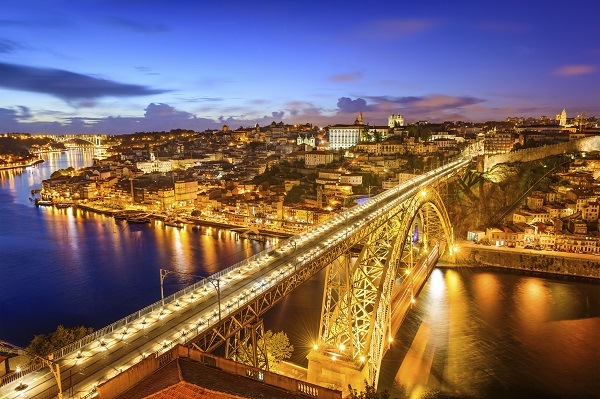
(342, 347)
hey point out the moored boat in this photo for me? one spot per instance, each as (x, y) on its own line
(41, 202)
(173, 223)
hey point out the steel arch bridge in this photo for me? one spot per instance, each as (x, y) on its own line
(364, 301)
(356, 325)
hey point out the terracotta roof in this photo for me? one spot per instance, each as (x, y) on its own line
(185, 378)
(185, 390)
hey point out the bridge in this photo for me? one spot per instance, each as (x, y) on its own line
(94, 139)
(378, 256)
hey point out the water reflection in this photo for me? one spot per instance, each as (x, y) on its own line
(75, 267)
(496, 335)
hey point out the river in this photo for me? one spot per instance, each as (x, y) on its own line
(472, 332)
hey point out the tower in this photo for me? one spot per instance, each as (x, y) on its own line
(395, 120)
(359, 120)
(562, 118)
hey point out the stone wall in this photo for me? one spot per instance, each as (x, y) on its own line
(529, 261)
(586, 144)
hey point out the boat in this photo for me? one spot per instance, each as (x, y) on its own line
(127, 214)
(138, 219)
(173, 223)
(63, 205)
(41, 202)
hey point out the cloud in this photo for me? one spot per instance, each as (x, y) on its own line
(9, 46)
(68, 86)
(398, 28)
(347, 105)
(202, 99)
(376, 109)
(574, 70)
(278, 115)
(165, 111)
(345, 77)
(138, 26)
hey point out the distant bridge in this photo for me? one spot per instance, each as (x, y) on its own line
(399, 234)
(94, 139)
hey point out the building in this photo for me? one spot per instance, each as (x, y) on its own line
(498, 142)
(306, 140)
(187, 373)
(346, 136)
(395, 121)
(154, 165)
(316, 158)
(352, 179)
(561, 118)
(186, 192)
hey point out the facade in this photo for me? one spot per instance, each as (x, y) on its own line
(353, 180)
(561, 118)
(186, 192)
(154, 166)
(498, 143)
(315, 158)
(308, 140)
(344, 136)
(395, 120)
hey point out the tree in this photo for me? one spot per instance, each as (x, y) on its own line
(294, 196)
(276, 345)
(44, 344)
(370, 392)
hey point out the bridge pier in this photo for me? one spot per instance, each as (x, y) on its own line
(335, 371)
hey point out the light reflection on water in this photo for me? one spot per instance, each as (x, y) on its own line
(497, 335)
(73, 267)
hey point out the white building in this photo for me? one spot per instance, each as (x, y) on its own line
(353, 180)
(154, 166)
(344, 136)
(395, 120)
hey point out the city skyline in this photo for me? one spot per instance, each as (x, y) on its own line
(125, 66)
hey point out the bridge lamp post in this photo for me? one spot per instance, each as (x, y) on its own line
(293, 242)
(214, 281)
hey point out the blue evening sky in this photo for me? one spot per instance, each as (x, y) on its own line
(121, 66)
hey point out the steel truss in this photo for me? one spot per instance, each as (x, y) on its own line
(356, 315)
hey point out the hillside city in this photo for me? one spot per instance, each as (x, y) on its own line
(280, 179)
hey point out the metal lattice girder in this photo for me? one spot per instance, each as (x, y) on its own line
(356, 310)
(244, 346)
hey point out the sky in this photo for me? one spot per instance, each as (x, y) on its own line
(125, 66)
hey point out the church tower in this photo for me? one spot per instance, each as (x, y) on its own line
(359, 120)
(562, 118)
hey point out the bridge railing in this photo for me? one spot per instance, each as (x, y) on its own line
(375, 201)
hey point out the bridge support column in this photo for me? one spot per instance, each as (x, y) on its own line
(331, 370)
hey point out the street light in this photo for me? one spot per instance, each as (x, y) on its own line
(293, 242)
(212, 280)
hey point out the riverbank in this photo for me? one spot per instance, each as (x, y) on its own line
(543, 262)
(22, 165)
(194, 221)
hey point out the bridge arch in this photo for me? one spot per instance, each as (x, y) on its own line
(358, 305)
